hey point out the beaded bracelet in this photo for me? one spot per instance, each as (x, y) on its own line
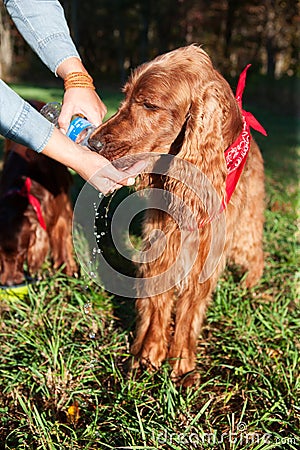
(78, 80)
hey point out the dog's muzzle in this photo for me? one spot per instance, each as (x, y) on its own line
(95, 145)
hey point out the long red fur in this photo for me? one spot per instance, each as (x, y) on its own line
(180, 104)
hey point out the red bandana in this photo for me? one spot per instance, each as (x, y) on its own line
(34, 202)
(236, 154)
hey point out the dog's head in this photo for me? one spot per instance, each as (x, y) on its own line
(177, 103)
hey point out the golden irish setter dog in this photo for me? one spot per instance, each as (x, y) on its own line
(178, 104)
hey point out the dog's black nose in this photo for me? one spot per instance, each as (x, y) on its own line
(95, 144)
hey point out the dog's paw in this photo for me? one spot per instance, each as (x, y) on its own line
(145, 364)
(252, 279)
(149, 355)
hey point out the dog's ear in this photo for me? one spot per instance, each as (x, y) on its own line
(38, 248)
(204, 142)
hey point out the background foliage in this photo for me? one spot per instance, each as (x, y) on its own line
(114, 36)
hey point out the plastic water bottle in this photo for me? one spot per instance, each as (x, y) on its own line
(79, 129)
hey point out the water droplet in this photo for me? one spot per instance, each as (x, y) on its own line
(93, 363)
(87, 308)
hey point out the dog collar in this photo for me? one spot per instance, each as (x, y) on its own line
(34, 202)
(236, 154)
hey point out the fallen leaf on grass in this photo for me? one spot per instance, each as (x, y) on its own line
(73, 413)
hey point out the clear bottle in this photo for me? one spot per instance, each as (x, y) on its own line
(79, 129)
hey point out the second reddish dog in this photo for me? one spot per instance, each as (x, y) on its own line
(35, 214)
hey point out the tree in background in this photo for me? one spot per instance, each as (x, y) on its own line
(115, 36)
(6, 44)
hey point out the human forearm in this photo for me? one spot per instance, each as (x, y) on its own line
(70, 65)
(79, 100)
(20, 122)
(44, 27)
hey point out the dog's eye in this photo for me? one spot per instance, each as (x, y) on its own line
(150, 106)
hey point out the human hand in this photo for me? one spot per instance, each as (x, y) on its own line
(79, 100)
(83, 101)
(91, 166)
(107, 178)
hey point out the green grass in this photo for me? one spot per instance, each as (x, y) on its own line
(65, 350)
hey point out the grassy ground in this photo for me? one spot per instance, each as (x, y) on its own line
(65, 350)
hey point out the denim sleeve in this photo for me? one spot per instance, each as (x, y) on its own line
(22, 123)
(43, 25)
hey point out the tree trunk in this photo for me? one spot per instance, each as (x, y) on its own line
(271, 31)
(6, 44)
